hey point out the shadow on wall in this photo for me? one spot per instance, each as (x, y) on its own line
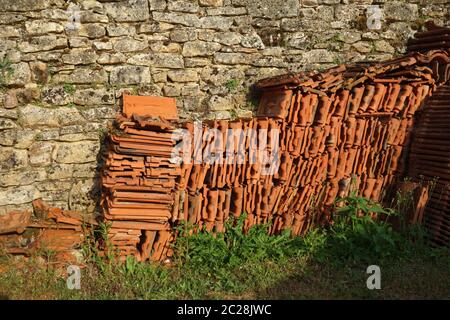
(95, 192)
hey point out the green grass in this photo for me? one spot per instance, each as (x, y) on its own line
(328, 263)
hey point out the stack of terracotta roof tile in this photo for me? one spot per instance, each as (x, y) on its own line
(139, 180)
(429, 160)
(434, 38)
(430, 155)
(234, 179)
(350, 123)
(49, 229)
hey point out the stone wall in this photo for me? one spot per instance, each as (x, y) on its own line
(65, 64)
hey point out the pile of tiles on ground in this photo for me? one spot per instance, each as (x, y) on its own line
(139, 187)
(48, 230)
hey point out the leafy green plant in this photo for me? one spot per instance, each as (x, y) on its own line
(231, 248)
(130, 266)
(47, 254)
(233, 114)
(338, 60)
(361, 231)
(227, 261)
(6, 70)
(252, 104)
(314, 245)
(97, 249)
(39, 136)
(69, 88)
(102, 133)
(232, 84)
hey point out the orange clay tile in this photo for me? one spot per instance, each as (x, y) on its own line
(275, 104)
(14, 222)
(150, 106)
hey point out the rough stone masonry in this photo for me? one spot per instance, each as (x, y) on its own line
(65, 64)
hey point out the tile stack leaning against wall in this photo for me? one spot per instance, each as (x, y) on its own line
(429, 158)
(357, 119)
(350, 121)
(139, 180)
